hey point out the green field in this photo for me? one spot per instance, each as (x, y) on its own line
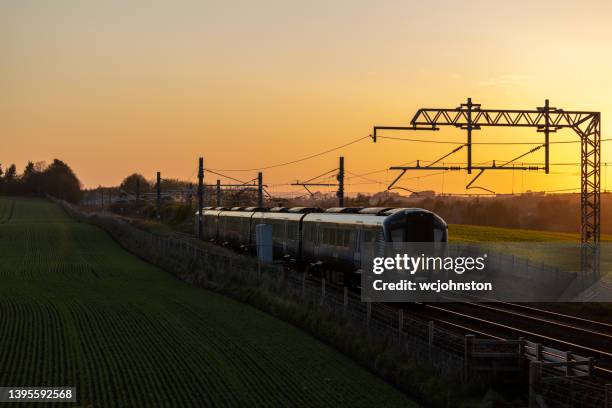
(78, 310)
(480, 233)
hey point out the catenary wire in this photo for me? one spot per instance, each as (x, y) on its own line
(312, 156)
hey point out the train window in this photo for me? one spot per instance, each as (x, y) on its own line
(346, 238)
(291, 231)
(333, 233)
(370, 235)
(330, 237)
(420, 228)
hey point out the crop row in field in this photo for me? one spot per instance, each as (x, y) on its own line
(6, 210)
(76, 309)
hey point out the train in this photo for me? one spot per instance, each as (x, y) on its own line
(329, 240)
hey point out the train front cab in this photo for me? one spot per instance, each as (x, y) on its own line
(333, 243)
(414, 225)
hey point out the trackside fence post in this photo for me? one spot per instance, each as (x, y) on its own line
(521, 353)
(345, 302)
(568, 360)
(538, 351)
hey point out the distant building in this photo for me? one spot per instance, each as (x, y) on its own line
(424, 193)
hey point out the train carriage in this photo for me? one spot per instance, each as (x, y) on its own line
(336, 239)
(332, 240)
(286, 229)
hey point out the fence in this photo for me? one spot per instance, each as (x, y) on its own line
(550, 386)
(555, 378)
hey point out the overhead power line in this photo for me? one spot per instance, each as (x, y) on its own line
(312, 156)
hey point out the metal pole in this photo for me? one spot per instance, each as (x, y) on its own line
(546, 135)
(340, 192)
(218, 193)
(200, 194)
(158, 192)
(260, 189)
(469, 135)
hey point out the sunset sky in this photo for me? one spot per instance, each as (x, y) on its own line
(115, 87)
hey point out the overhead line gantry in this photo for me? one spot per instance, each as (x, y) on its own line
(546, 119)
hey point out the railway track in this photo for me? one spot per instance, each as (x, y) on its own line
(501, 320)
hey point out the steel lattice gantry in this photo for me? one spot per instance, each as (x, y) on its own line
(587, 125)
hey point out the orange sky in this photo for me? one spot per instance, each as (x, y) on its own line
(113, 88)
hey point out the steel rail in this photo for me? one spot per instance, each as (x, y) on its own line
(525, 332)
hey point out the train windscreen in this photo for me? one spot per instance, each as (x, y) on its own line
(415, 227)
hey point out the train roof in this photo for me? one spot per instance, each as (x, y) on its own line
(278, 216)
(375, 210)
(279, 209)
(236, 213)
(345, 218)
(302, 210)
(256, 209)
(374, 217)
(344, 210)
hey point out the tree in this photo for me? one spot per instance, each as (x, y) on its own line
(9, 180)
(58, 180)
(135, 183)
(11, 174)
(31, 179)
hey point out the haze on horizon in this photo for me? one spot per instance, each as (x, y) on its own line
(119, 87)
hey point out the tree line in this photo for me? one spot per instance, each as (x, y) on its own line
(39, 179)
